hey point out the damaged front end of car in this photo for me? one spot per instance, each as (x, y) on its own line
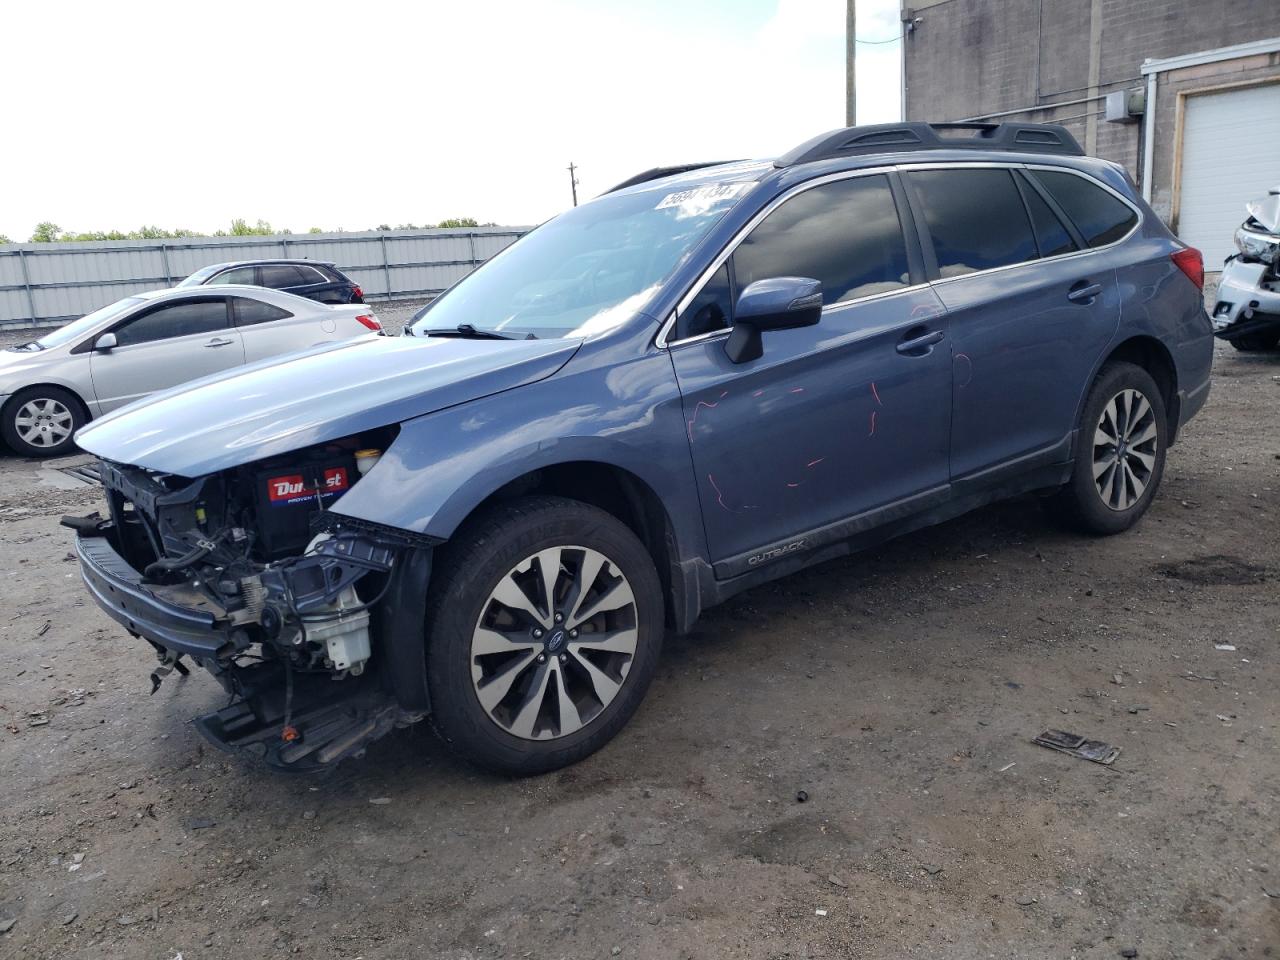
(311, 621)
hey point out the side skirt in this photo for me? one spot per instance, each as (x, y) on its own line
(872, 528)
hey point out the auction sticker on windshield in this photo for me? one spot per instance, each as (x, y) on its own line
(703, 196)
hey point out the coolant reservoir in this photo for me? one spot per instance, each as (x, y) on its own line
(365, 459)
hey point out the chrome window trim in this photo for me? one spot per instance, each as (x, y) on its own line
(661, 340)
(1061, 256)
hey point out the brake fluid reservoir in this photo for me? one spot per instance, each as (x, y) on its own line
(365, 459)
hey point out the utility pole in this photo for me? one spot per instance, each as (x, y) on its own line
(850, 74)
(573, 181)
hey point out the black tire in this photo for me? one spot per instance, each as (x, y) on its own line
(1257, 342)
(63, 406)
(470, 568)
(1081, 504)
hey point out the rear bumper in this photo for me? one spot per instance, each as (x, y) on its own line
(120, 591)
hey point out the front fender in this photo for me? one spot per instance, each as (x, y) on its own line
(625, 415)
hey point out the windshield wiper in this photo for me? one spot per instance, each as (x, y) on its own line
(471, 333)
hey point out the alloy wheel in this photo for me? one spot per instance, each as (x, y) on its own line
(554, 642)
(43, 422)
(1124, 449)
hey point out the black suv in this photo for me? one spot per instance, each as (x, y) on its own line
(313, 279)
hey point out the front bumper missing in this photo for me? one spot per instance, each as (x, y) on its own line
(194, 630)
(298, 723)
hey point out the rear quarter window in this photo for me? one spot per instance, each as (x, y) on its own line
(249, 312)
(1100, 217)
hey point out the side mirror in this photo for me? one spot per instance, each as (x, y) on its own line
(105, 342)
(779, 303)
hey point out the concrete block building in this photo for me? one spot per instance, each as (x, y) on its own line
(1184, 93)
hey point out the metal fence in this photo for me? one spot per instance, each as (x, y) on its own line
(49, 283)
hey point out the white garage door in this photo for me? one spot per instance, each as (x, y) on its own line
(1230, 155)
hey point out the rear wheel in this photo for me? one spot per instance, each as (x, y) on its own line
(41, 421)
(544, 628)
(1257, 342)
(1120, 451)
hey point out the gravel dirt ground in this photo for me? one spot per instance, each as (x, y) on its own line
(898, 689)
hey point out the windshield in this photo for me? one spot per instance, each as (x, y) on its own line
(78, 328)
(587, 270)
(200, 276)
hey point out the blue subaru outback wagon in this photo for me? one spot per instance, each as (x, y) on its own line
(700, 381)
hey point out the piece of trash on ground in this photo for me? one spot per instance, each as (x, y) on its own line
(1224, 646)
(1007, 766)
(819, 912)
(1078, 746)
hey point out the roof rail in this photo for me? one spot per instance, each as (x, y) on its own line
(658, 172)
(906, 137)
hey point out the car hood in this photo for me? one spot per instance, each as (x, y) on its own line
(291, 402)
(1267, 212)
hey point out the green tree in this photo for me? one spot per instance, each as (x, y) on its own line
(241, 228)
(45, 232)
(457, 222)
(4, 239)
(315, 230)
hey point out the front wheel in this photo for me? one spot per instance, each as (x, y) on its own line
(1120, 451)
(41, 422)
(544, 626)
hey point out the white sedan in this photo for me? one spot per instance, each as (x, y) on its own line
(51, 387)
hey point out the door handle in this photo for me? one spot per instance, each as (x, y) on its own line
(220, 342)
(1084, 294)
(916, 344)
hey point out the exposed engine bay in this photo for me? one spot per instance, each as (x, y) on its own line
(247, 573)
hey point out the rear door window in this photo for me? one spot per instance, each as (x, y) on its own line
(976, 219)
(280, 275)
(249, 312)
(846, 234)
(182, 319)
(1100, 217)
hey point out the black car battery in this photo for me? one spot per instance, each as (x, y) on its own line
(289, 492)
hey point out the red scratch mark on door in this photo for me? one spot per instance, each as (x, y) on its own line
(720, 497)
(876, 394)
(808, 466)
(873, 424)
(709, 404)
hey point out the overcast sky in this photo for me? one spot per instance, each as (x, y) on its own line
(347, 115)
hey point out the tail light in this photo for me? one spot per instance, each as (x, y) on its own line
(370, 321)
(357, 295)
(1190, 261)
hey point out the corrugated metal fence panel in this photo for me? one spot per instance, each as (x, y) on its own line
(64, 280)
